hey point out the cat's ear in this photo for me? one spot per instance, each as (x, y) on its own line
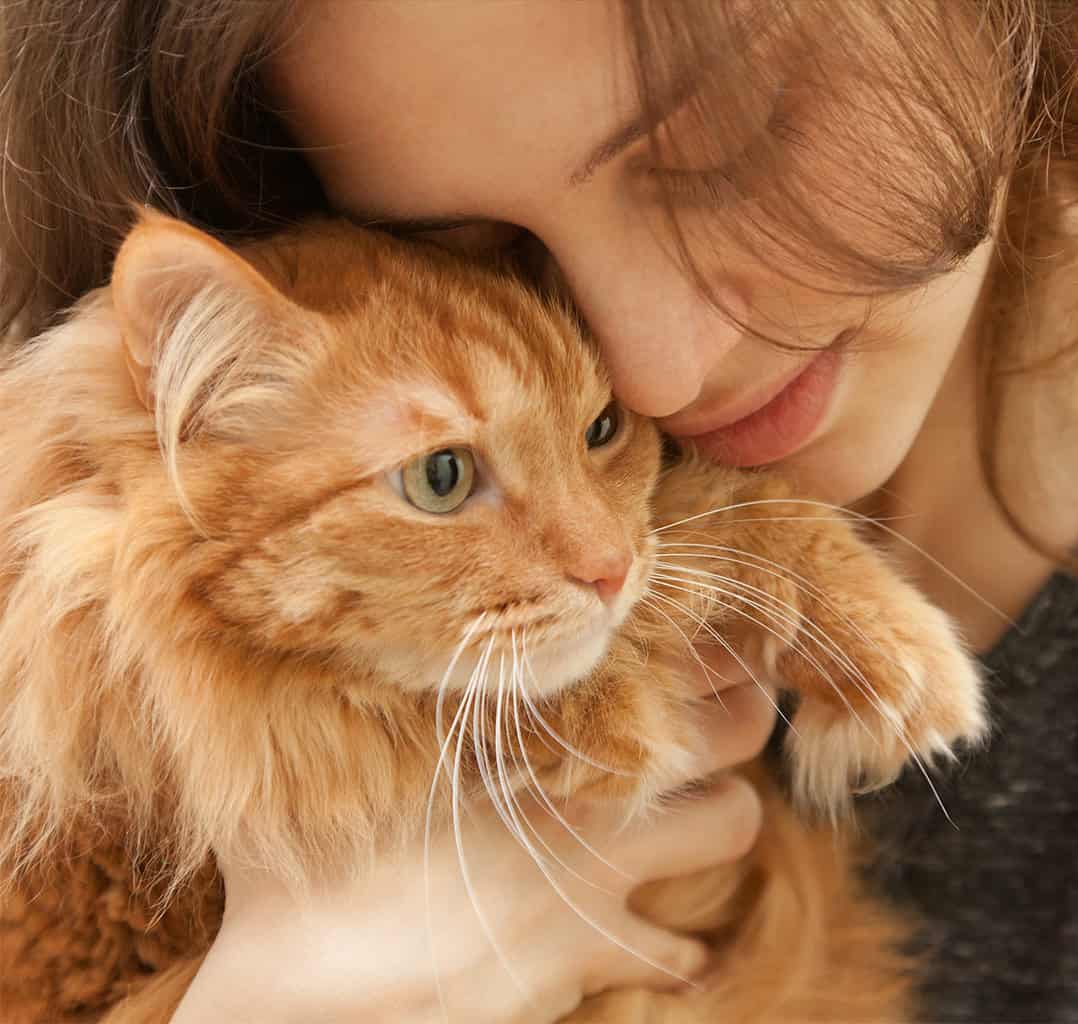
(162, 270)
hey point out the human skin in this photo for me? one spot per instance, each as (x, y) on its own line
(479, 112)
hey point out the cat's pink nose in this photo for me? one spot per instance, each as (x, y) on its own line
(606, 571)
(609, 587)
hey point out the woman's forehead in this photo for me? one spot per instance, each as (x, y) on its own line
(463, 107)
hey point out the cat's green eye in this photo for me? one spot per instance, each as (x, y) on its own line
(441, 481)
(603, 427)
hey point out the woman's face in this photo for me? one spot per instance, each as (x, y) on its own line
(487, 116)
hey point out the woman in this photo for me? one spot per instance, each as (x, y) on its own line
(832, 238)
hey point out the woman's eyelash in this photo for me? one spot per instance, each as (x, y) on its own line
(462, 236)
(729, 181)
(405, 228)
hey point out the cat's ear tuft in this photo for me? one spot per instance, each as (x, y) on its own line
(162, 269)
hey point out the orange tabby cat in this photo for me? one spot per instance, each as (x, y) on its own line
(270, 519)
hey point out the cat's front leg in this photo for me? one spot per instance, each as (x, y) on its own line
(882, 674)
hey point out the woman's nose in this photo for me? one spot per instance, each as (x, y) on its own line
(660, 338)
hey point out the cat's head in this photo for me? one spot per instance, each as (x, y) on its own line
(381, 455)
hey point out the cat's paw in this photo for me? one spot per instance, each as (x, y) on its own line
(909, 694)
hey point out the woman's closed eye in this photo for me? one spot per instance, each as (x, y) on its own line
(727, 182)
(734, 174)
(471, 236)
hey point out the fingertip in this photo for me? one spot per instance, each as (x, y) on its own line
(690, 959)
(743, 815)
(735, 728)
(730, 809)
(716, 670)
(656, 959)
(696, 962)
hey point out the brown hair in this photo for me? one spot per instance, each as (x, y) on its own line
(902, 119)
(152, 102)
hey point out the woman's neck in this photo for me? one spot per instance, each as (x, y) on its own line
(942, 502)
(958, 520)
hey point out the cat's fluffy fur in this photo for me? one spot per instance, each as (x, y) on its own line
(223, 627)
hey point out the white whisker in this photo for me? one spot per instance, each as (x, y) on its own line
(537, 716)
(798, 623)
(513, 807)
(866, 689)
(806, 629)
(536, 787)
(446, 676)
(816, 634)
(726, 645)
(709, 672)
(795, 643)
(474, 686)
(444, 740)
(826, 644)
(877, 523)
(491, 780)
(771, 568)
(591, 922)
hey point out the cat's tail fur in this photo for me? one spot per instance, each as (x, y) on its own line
(158, 1001)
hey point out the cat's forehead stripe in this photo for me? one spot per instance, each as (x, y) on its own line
(407, 419)
(530, 351)
(428, 406)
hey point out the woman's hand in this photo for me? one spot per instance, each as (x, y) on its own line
(367, 950)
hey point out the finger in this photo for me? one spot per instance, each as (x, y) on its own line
(647, 957)
(735, 728)
(718, 666)
(715, 826)
(714, 669)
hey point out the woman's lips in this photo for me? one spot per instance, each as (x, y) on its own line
(781, 425)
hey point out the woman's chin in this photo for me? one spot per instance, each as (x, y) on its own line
(842, 467)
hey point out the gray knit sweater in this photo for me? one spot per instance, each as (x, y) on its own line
(998, 890)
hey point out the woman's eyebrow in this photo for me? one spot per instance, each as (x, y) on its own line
(636, 127)
(610, 147)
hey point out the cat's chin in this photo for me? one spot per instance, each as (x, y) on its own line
(540, 666)
(560, 663)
